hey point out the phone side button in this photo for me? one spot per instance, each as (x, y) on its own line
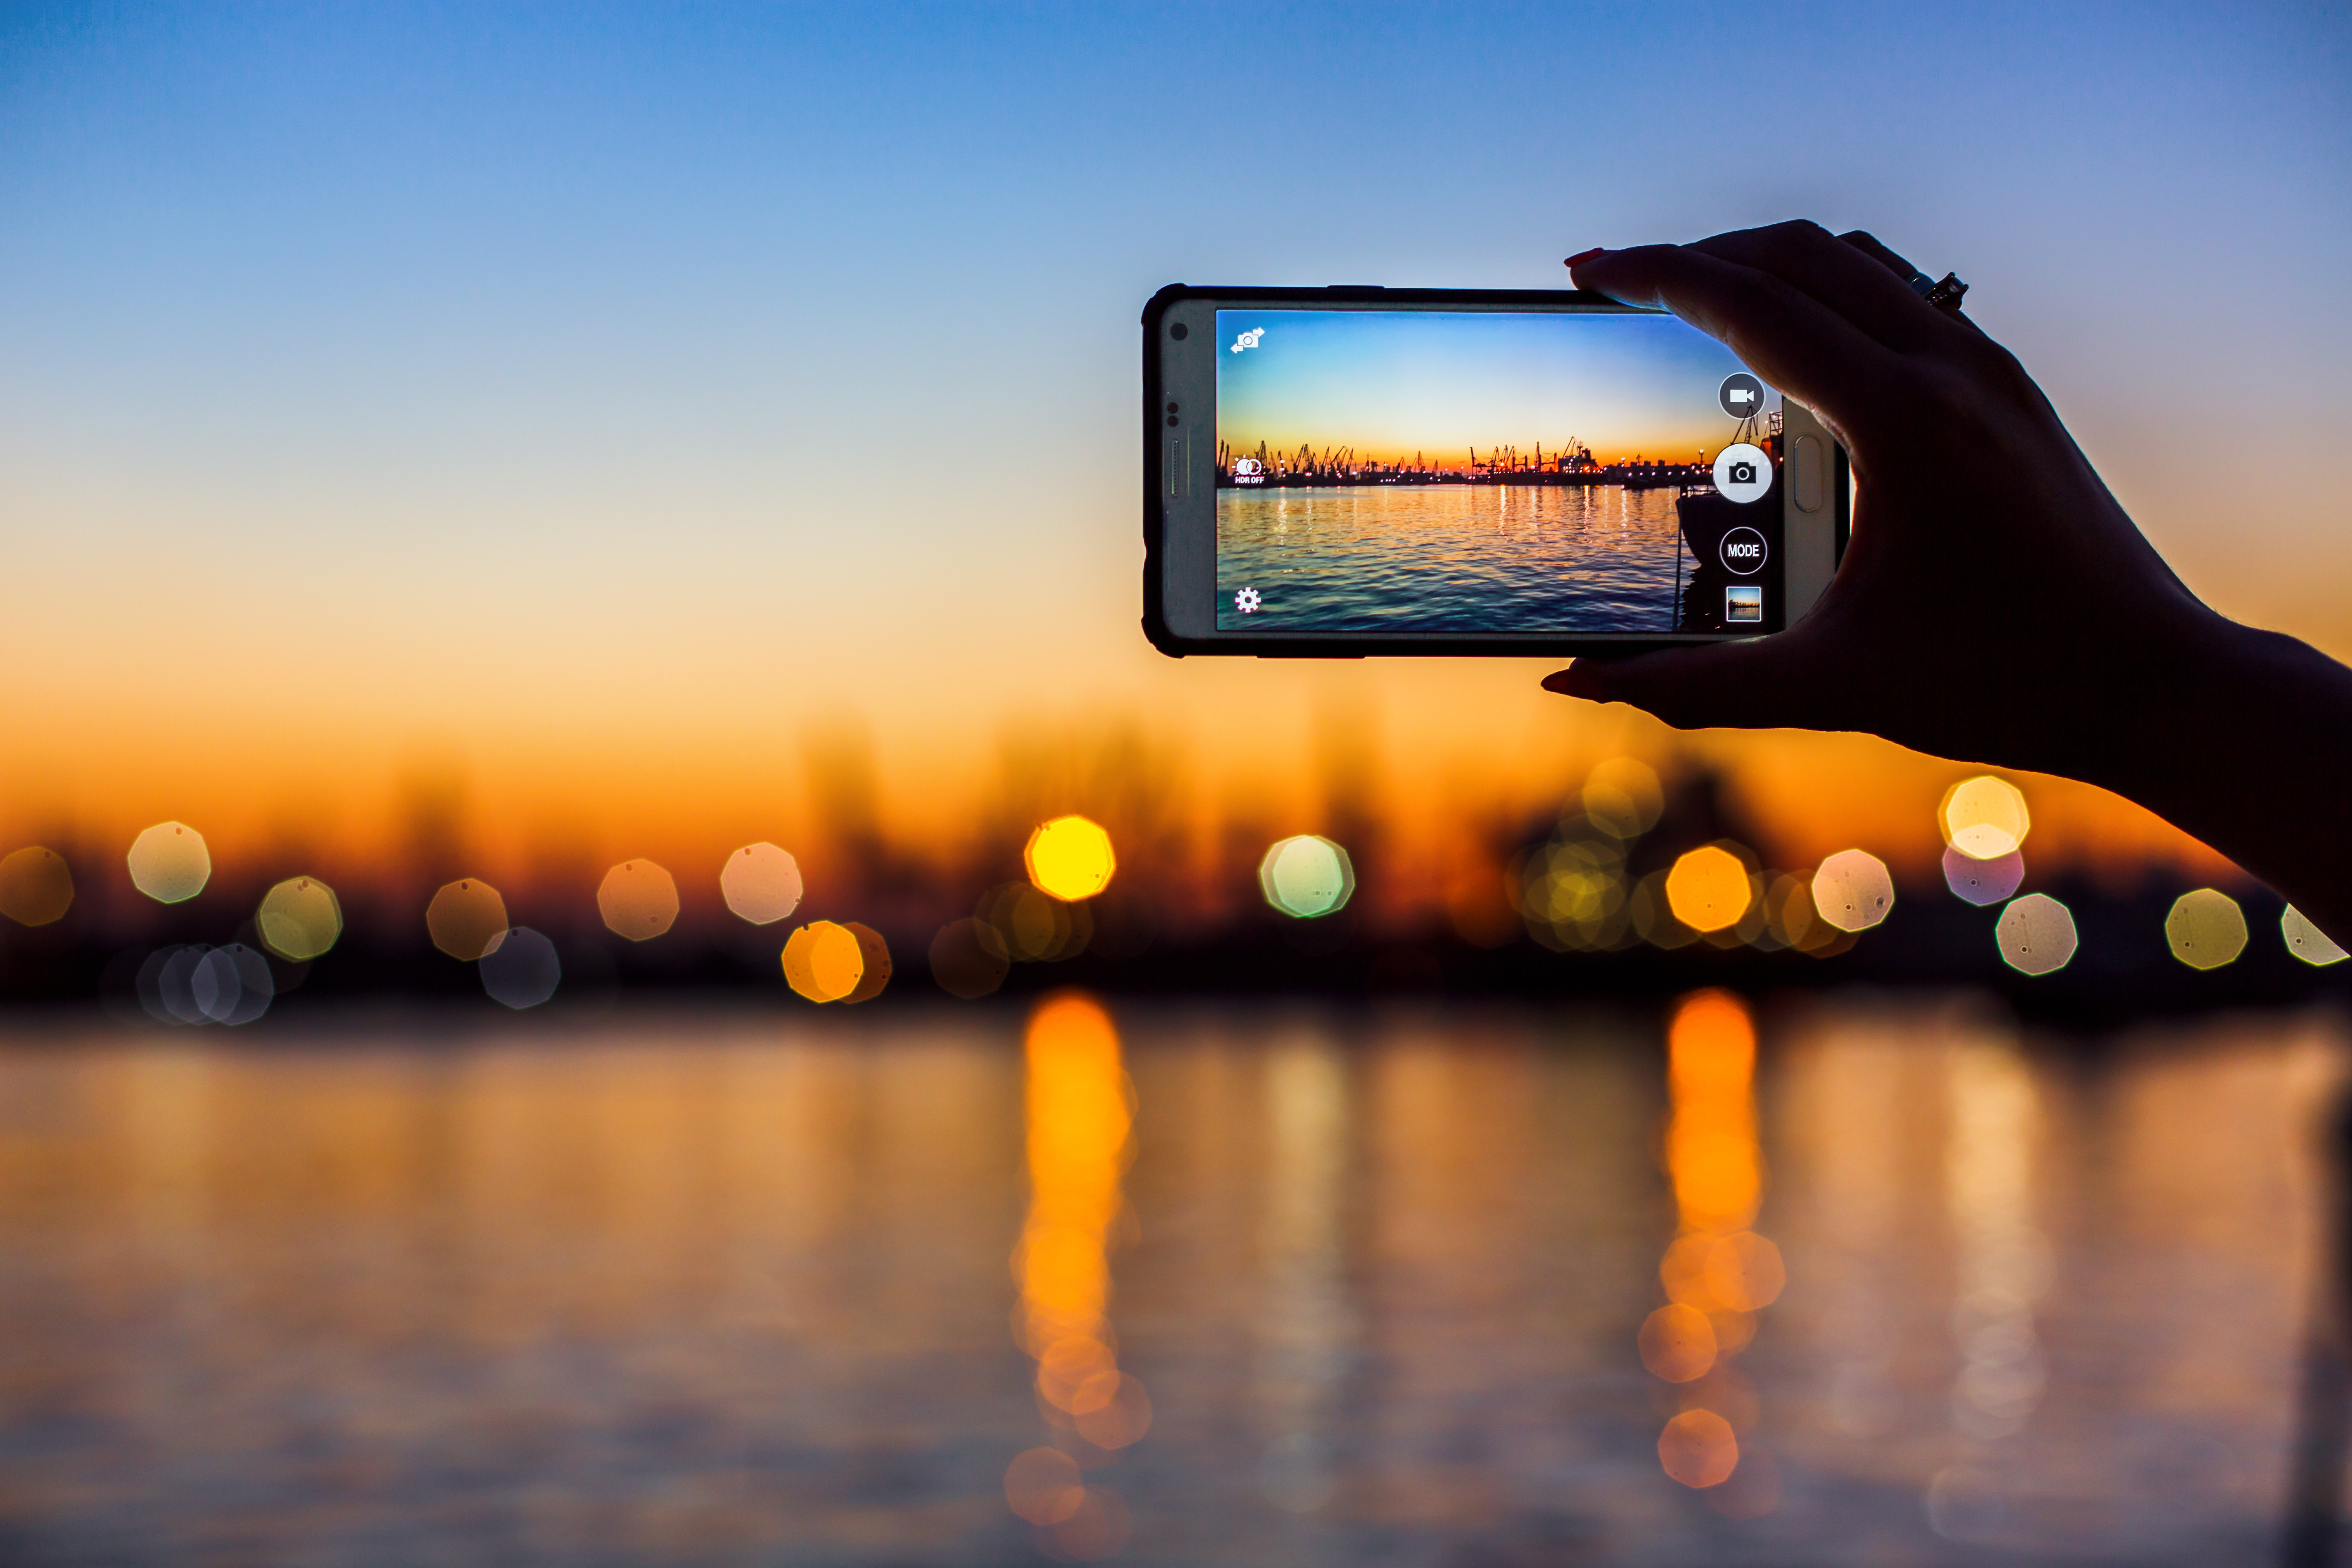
(1811, 486)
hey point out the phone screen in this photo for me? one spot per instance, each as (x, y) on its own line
(1492, 471)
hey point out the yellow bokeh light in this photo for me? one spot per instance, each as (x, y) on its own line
(1070, 858)
(169, 863)
(35, 886)
(761, 884)
(2306, 941)
(1709, 888)
(1852, 890)
(1698, 1449)
(466, 919)
(824, 962)
(1306, 877)
(2036, 934)
(2206, 929)
(1621, 797)
(300, 918)
(638, 900)
(1985, 817)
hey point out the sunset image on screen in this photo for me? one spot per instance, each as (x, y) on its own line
(1481, 472)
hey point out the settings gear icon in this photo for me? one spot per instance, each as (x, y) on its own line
(1247, 601)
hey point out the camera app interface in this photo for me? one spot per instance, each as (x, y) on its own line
(1491, 472)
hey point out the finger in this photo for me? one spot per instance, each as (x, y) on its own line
(1858, 286)
(1766, 684)
(1868, 243)
(1785, 336)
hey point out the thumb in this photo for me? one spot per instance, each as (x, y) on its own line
(1758, 685)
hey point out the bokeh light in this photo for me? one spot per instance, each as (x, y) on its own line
(1982, 882)
(521, 969)
(195, 984)
(35, 886)
(2036, 934)
(2206, 929)
(466, 919)
(1717, 1275)
(638, 900)
(2306, 941)
(1739, 1272)
(1698, 1449)
(1079, 1114)
(1043, 1486)
(1306, 877)
(1070, 858)
(824, 962)
(1711, 1139)
(873, 962)
(760, 883)
(230, 985)
(969, 959)
(300, 918)
(1677, 1343)
(1709, 888)
(1572, 893)
(1851, 889)
(1985, 817)
(1651, 917)
(1621, 797)
(169, 863)
(1112, 1410)
(164, 984)
(1034, 926)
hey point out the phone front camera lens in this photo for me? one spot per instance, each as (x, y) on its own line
(1171, 408)
(1171, 419)
(1178, 331)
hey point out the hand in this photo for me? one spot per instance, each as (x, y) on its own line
(1996, 604)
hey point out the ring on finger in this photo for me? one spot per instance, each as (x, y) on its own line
(1945, 295)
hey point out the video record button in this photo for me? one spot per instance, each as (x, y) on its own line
(1741, 394)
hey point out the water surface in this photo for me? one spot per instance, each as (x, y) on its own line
(736, 1288)
(1458, 558)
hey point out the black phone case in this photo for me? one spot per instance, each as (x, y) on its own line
(1155, 620)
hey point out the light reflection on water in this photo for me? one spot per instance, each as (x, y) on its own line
(1450, 557)
(704, 1290)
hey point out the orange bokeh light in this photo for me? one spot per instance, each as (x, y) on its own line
(1698, 1449)
(1709, 888)
(1079, 1116)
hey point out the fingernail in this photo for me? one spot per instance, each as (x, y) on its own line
(1584, 255)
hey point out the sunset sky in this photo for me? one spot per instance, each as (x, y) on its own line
(584, 407)
(1390, 384)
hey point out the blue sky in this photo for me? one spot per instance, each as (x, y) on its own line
(1391, 383)
(486, 376)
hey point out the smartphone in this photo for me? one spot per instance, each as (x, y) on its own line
(1344, 471)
